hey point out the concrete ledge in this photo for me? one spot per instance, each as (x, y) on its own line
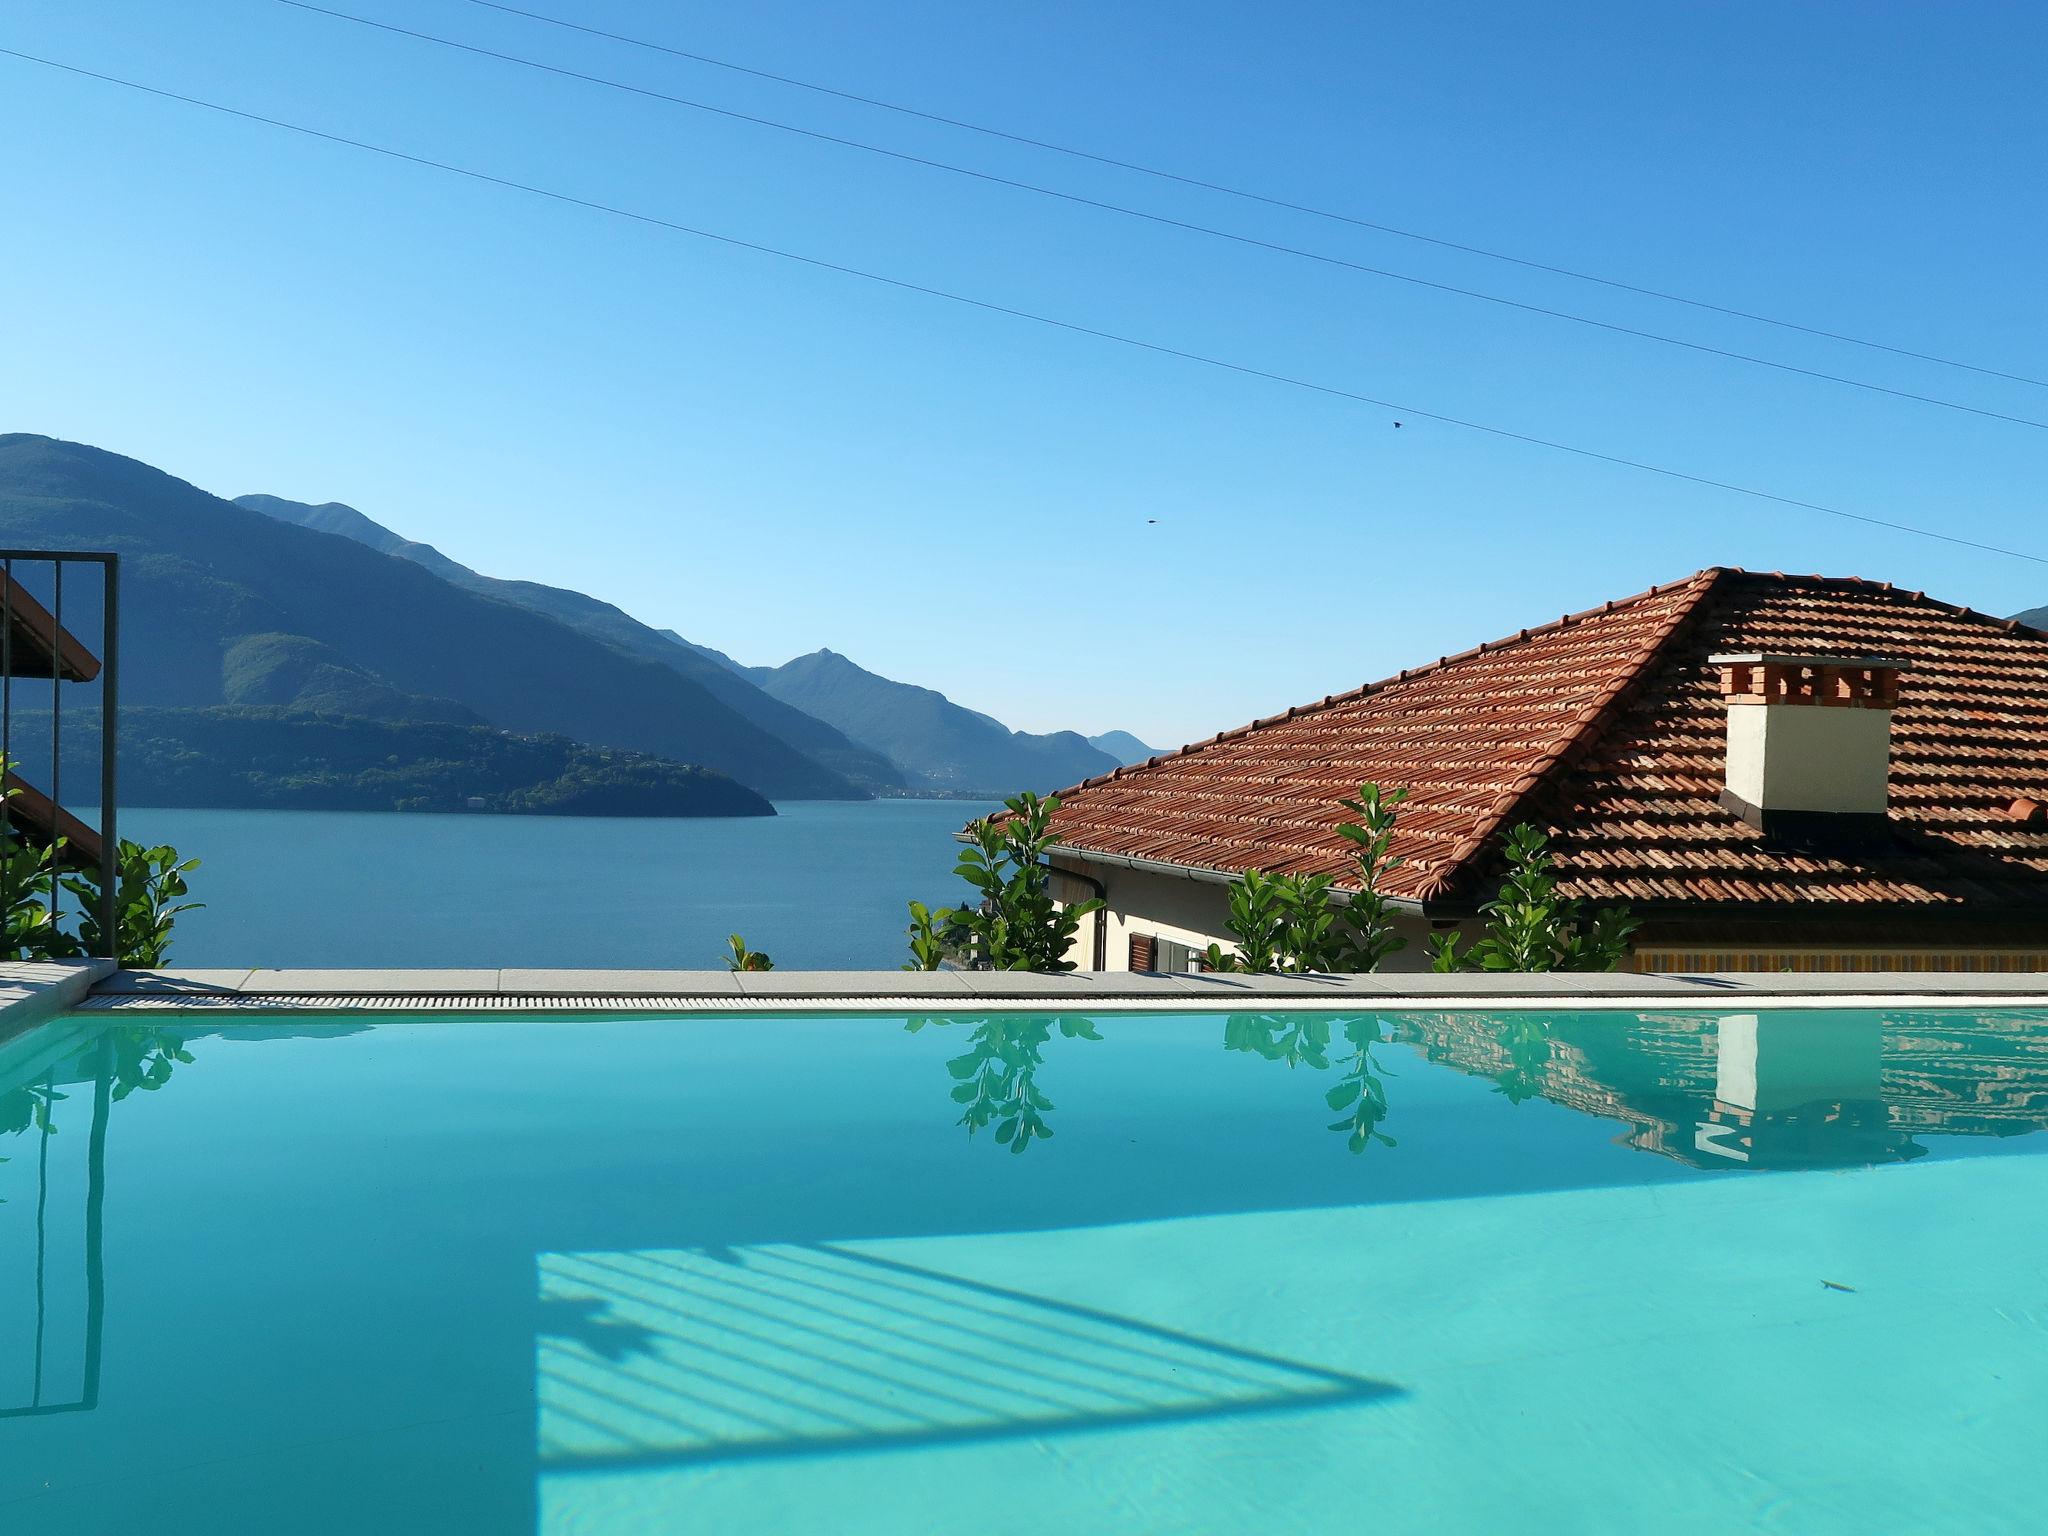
(608, 983)
(174, 983)
(895, 991)
(33, 990)
(425, 983)
(787, 985)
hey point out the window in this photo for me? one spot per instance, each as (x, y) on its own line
(1151, 953)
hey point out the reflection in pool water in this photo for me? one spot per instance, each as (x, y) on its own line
(1784, 1090)
(748, 1274)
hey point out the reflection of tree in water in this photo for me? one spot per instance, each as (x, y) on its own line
(1361, 1089)
(1296, 1039)
(58, 1078)
(995, 1079)
(29, 1107)
(1524, 1040)
(144, 1059)
(1303, 1039)
(127, 1059)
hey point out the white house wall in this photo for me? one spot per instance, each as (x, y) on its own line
(1190, 912)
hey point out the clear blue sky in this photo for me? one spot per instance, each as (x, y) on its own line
(771, 459)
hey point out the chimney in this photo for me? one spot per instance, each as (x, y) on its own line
(1809, 739)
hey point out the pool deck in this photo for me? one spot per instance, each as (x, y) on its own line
(652, 991)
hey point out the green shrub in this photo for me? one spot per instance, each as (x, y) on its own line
(929, 938)
(1370, 913)
(28, 878)
(742, 958)
(1530, 927)
(1016, 925)
(1285, 922)
(149, 883)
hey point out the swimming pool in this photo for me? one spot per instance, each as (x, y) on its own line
(1278, 1272)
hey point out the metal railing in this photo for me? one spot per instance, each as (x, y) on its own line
(28, 629)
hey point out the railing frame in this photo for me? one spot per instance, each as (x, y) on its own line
(109, 680)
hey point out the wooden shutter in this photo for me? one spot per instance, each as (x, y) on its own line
(1141, 952)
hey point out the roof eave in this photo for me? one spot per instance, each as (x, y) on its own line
(1207, 876)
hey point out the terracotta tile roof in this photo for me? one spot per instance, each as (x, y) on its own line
(1607, 728)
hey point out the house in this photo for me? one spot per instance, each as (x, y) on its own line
(1772, 772)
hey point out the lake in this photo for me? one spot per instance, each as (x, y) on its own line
(820, 886)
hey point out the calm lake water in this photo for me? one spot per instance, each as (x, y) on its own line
(822, 885)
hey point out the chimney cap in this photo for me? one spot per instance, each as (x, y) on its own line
(1791, 659)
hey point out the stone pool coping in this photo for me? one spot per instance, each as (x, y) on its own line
(248, 990)
(34, 990)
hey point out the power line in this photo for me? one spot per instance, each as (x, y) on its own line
(903, 285)
(1260, 197)
(1171, 223)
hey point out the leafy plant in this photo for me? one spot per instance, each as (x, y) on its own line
(929, 937)
(745, 959)
(1016, 925)
(1530, 927)
(1258, 921)
(1282, 922)
(1292, 922)
(28, 881)
(1313, 940)
(148, 885)
(1370, 914)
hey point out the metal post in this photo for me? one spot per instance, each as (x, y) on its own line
(110, 843)
(56, 740)
(7, 685)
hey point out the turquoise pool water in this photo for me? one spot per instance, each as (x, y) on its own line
(1279, 1273)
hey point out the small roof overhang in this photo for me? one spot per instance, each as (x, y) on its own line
(35, 644)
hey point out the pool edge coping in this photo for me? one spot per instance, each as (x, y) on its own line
(34, 990)
(249, 990)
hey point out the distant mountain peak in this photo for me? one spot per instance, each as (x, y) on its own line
(343, 520)
(1123, 746)
(943, 745)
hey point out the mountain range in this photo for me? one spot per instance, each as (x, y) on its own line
(282, 609)
(954, 749)
(861, 766)
(886, 736)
